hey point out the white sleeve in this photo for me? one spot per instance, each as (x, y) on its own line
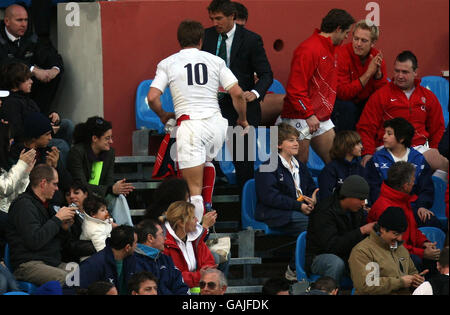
(424, 289)
(226, 78)
(161, 79)
(13, 180)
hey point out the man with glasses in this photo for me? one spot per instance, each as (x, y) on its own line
(212, 282)
(36, 232)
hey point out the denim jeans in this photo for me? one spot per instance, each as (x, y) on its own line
(329, 265)
(7, 281)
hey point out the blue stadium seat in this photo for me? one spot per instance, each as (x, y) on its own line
(315, 163)
(434, 235)
(439, 86)
(23, 285)
(300, 255)
(145, 117)
(15, 293)
(440, 188)
(248, 210)
(277, 87)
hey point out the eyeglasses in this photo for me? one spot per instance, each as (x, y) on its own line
(99, 121)
(211, 285)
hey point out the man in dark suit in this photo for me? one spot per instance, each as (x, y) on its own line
(244, 54)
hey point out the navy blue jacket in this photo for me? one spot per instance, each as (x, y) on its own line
(170, 280)
(376, 172)
(334, 173)
(276, 194)
(102, 267)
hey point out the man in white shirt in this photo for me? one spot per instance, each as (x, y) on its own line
(194, 78)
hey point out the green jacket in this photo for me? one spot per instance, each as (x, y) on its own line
(393, 264)
(79, 164)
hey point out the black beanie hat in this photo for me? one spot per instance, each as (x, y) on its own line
(355, 186)
(36, 124)
(393, 219)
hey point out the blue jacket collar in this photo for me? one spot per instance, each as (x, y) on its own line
(147, 251)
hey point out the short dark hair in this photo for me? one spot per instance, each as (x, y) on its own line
(443, 258)
(399, 174)
(224, 6)
(135, 280)
(122, 236)
(190, 33)
(241, 11)
(78, 185)
(325, 283)
(336, 18)
(13, 74)
(93, 203)
(408, 55)
(99, 288)
(146, 227)
(275, 285)
(403, 130)
(40, 172)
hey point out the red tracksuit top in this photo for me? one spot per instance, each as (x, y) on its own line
(413, 238)
(422, 110)
(350, 69)
(311, 87)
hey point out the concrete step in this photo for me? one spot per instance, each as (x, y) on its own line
(245, 261)
(244, 289)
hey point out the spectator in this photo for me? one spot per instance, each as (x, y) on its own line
(150, 257)
(143, 283)
(404, 97)
(212, 282)
(307, 105)
(36, 233)
(276, 286)
(18, 45)
(397, 147)
(97, 224)
(345, 157)
(99, 288)
(91, 162)
(395, 192)
(361, 71)
(185, 243)
(286, 196)
(241, 16)
(244, 53)
(115, 263)
(380, 264)
(323, 286)
(438, 285)
(335, 226)
(17, 79)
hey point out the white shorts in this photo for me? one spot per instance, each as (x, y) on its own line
(300, 124)
(199, 140)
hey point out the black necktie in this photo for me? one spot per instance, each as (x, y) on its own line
(16, 42)
(223, 48)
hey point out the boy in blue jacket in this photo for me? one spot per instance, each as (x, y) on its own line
(397, 147)
(286, 196)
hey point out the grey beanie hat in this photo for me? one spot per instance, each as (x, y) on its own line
(355, 186)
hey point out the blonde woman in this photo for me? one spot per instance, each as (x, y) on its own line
(185, 242)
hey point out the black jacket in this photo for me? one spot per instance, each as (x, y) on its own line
(34, 232)
(31, 51)
(332, 230)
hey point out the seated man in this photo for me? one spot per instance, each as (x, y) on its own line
(361, 71)
(380, 264)
(335, 226)
(143, 283)
(397, 141)
(115, 263)
(212, 282)
(323, 286)
(438, 285)
(395, 191)
(404, 97)
(202, 129)
(36, 233)
(17, 45)
(287, 195)
(149, 257)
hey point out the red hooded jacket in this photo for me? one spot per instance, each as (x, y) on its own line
(311, 87)
(350, 69)
(413, 238)
(422, 110)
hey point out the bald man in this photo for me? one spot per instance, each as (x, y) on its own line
(18, 45)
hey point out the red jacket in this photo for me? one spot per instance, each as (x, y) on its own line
(422, 110)
(202, 253)
(413, 237)
(311, 87)
(350, 69)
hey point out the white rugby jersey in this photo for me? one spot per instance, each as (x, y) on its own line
(194, 78)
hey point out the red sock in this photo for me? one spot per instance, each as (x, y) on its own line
(209, 177)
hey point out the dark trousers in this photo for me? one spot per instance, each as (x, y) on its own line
(44, 93)
(346, 115)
